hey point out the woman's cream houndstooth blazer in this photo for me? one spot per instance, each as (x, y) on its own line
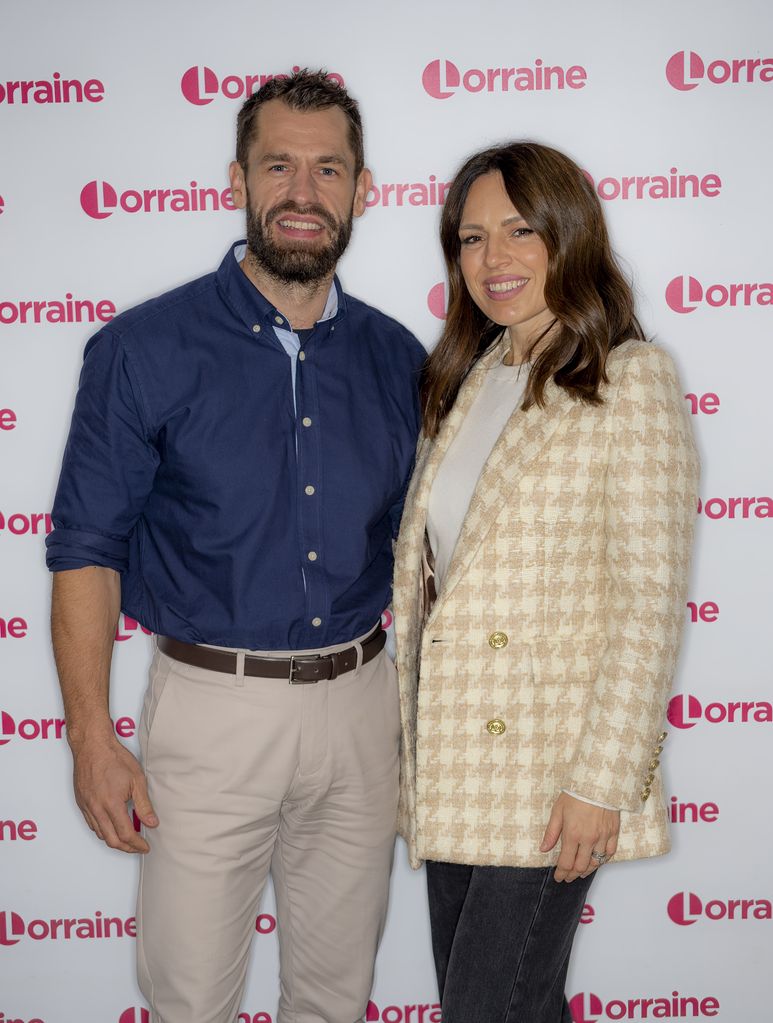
(548, 656)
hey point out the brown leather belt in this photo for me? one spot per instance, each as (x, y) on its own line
(300, 669)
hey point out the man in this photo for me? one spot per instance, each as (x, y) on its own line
(233, 479)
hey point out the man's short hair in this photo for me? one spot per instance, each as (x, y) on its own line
(303, 90)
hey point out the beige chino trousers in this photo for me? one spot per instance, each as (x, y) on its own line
(251, 775)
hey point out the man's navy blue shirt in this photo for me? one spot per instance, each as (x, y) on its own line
(233, 519)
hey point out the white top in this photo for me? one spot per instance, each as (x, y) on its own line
(457, 476)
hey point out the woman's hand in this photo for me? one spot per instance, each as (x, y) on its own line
(583, 828)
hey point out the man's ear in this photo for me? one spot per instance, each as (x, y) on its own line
(363, 186)
(236, 174)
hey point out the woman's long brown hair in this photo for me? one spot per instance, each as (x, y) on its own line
(590, 299)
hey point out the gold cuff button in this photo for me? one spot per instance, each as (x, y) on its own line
(645, 794)
(498, 640)
(654, 763)
(662, 737)
(496, 727)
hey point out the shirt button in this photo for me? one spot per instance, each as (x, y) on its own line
(306, 421)
(332, 329)
(312, 555)
(309, 490)
(256, 328)
(302, 356)
(316, 622)
(279, 320)
(496, 727)
(498, 640)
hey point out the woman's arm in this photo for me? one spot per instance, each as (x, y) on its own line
(650, 507)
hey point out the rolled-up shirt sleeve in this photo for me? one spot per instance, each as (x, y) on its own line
(109, 463)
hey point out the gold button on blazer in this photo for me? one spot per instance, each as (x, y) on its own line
(576, 546)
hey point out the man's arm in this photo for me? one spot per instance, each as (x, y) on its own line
(85, 606)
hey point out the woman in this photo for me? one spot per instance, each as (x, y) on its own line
(555, 490)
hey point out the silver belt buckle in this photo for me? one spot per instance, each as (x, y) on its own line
(294, 662)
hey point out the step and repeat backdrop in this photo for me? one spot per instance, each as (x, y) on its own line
(116, 130)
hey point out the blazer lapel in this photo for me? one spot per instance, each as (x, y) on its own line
(524, 436)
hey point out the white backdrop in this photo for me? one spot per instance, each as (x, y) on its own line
(100, 103)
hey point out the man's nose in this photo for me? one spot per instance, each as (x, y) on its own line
(302, 188)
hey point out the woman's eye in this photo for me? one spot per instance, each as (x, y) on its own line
(470, 239)
(522, 232)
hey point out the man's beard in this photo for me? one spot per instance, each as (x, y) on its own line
(299, 262)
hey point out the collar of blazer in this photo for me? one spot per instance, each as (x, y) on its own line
(523, 437)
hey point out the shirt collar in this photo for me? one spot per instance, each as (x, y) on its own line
(252, 307)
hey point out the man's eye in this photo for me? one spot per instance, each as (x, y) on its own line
(278, 167)
(328, 172)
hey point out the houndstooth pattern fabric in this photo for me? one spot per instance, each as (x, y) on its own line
(576, 546)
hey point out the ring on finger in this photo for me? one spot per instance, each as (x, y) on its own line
(600, 858)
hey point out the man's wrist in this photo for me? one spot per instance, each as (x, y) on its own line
(91, 731)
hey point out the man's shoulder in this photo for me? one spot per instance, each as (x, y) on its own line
(383, 327)
(167, 310)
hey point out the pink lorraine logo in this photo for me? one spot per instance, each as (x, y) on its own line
(684, 908)
(134, 1016)
(12, 928)
(440, 78)
(685, 72)
(684, 711)
(130, 626)
(585, 1008)
(7, 728)
(436, 301)
(199, 85)
(683, 294)
(372, 1012)
(98, 199)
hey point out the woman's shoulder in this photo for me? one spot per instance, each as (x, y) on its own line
(637, 350)
(640, 360)
(643, 380)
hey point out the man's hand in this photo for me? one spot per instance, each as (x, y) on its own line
(583, 828)
(85, 606)
(106, 778)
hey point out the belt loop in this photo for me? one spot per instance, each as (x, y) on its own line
(239, 679)
(358, 665)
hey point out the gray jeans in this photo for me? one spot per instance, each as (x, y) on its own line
(501, 937)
